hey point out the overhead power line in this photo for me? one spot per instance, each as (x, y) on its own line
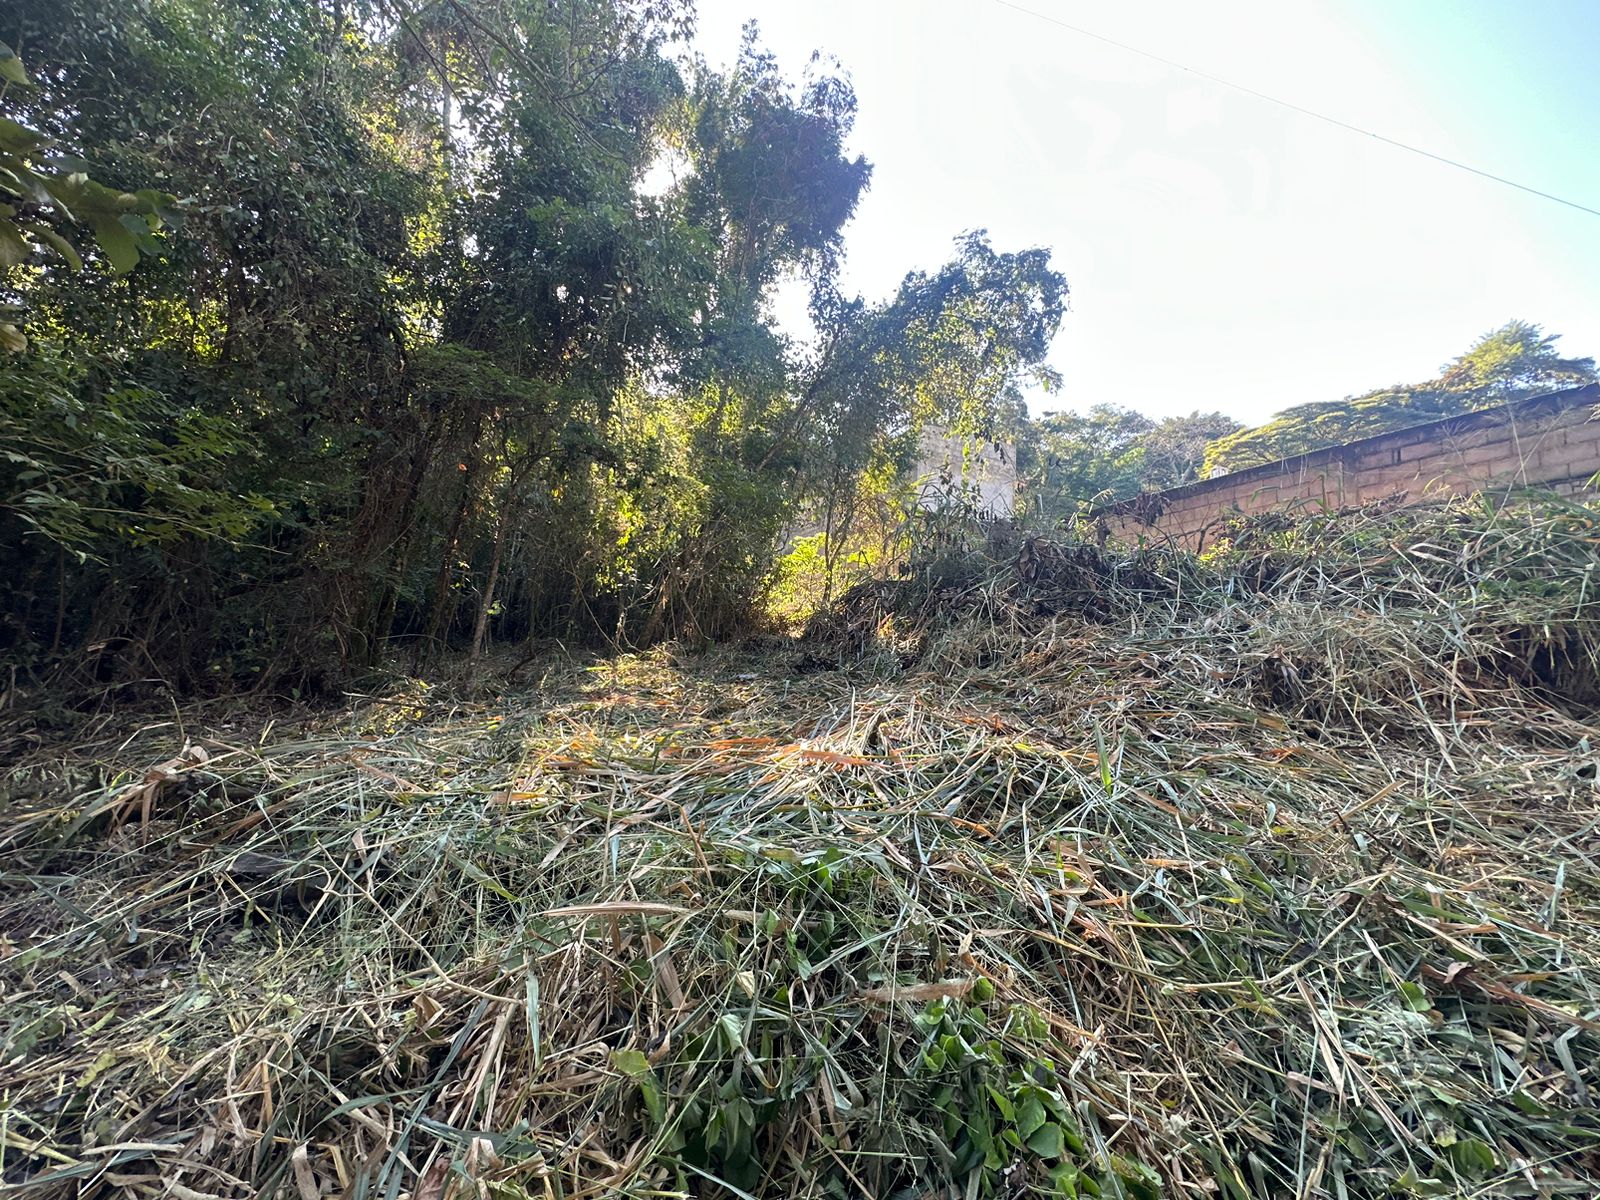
(1293, 107)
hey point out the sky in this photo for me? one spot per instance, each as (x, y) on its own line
(1225, 253)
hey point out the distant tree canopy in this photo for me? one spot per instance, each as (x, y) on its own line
(1067, 459)
(1511, 363)
(431, 324)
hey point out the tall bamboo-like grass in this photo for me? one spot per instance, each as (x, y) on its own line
(1093, 873)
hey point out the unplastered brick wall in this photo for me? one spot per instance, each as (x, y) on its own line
(1549, 441)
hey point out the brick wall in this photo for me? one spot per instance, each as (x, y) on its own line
(1550, 441)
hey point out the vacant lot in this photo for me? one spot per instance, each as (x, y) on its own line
(1118, 876)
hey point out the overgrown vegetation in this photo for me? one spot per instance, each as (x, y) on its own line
(1068, 461)
(1045, 870)
(1511, 363)
(424, 355)
(426, 327)
(460, 332)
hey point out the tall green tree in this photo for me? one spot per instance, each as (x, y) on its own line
(47, 200)
(433, 358)
(1175, 448)
(1067, 460)
(952, 350)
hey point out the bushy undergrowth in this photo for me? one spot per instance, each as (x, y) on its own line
(1089, 873)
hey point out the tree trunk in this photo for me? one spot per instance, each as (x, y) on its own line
(440, 612)
(487, 602)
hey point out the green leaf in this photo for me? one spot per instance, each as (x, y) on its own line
(1064, 1179)
(1416, 999)
(631, 1063)
(62, 247)
(1139, 1180)
(955, 1048)
(13, 247)
(19, 139)
(117, 242)
(636, 1067)
(1002, 1105)
(1473, 1157)
(11, 68)
(1030, 1116)
(1047, 1141)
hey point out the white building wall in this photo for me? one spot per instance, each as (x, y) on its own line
(950, 468)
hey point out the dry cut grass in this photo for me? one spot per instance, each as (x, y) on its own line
(1097, 874)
